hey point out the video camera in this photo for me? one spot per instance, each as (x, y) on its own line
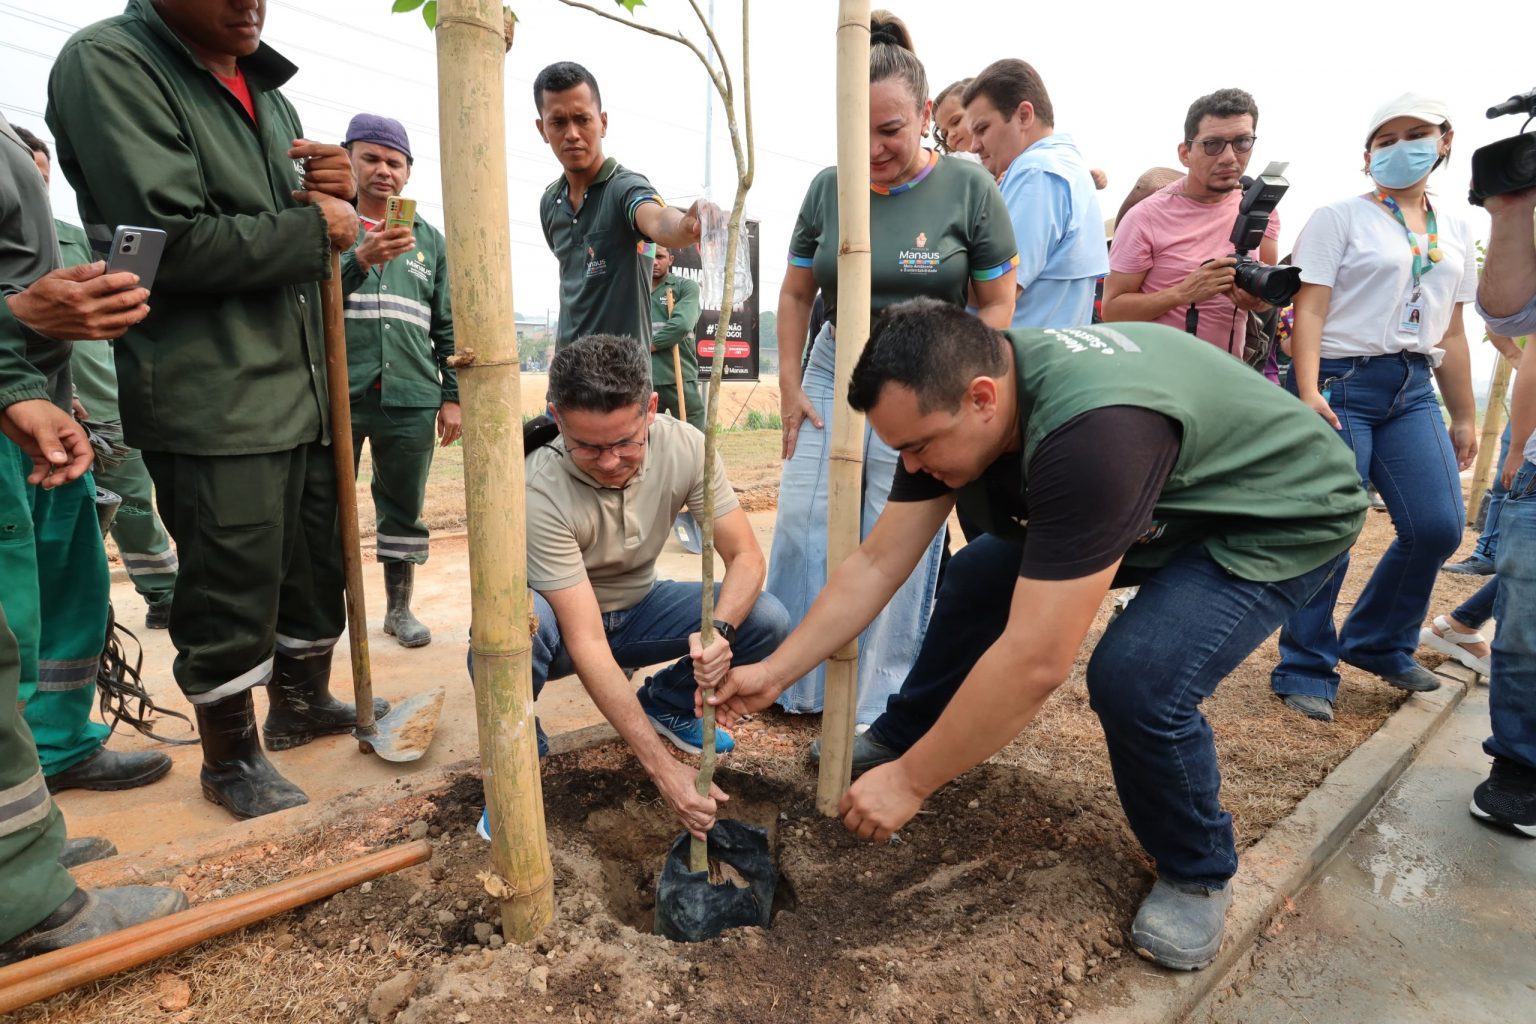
(1508, 165)
(1275, 285)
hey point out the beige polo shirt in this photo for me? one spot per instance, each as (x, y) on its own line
(612, 536)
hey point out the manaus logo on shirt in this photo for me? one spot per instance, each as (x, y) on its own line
(418, 267)
(595, 267)
(919, 259)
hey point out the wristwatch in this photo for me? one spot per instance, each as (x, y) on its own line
(726, 630)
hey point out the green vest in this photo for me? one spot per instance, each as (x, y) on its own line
(1261, 481)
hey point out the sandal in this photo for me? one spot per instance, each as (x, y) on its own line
(1448, 641)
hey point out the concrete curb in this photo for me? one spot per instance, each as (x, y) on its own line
(1281, 864)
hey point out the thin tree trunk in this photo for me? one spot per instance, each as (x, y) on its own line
(845, 499)
(471, 51)
(1488, 445)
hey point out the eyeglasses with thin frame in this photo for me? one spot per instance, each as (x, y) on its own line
(593, 452)
(1213, 147)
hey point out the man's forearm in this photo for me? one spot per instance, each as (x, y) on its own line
(1509, 272)
(671, 232)
(1522, 410)
(740, 588)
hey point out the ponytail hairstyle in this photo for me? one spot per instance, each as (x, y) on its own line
(891, 55)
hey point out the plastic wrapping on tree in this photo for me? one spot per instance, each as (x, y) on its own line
(714, 233)
(691, 909)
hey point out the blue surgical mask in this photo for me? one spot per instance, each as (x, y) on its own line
(1404, 163)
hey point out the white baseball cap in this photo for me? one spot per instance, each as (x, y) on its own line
(1409, 104)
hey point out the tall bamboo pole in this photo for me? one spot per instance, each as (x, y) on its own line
(845, 473)
(1488, 445)
(472, 41)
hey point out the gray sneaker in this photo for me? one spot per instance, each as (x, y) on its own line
(868, 752)
(1313, 707)
(1179, 925)
(1417, 679)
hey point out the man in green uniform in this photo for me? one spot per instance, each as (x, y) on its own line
(169, 116)
(1092, 457)
(600, 218)
(141, 541)
(56, 587)
(40, 907)
(399, 338)
(674, 315)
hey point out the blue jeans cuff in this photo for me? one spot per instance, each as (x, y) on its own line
(1303, 686)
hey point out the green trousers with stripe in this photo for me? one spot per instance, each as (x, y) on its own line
(55, 596)
(140, 537)
(400, 445)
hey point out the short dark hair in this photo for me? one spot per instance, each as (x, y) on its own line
(600, 373)
(34, 143)
(1221, 103)
(1007, 83)
(932, 347)
(560, 76)
(891, 55)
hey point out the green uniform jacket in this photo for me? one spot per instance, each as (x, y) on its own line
(231, 359)
(19, 379)
(1261, 481)
(91, 363)
(400, 325)
(28, 250)
(675, 331)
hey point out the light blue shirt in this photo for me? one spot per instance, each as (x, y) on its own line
(1060, 233)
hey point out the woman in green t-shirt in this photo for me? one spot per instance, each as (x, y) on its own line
(938, 227)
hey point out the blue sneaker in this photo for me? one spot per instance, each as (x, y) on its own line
(483, 830)
(685, 731)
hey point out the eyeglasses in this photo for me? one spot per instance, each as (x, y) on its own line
(1213, 147)
(593, 452)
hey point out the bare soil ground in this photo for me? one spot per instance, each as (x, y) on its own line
(1008, 898)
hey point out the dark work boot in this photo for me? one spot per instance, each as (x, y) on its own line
(158, 614)
(91, 913)
(84, 850)
(398, 620)
(302, 708)
(111, 770)
(236, 774)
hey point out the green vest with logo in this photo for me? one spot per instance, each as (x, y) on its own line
(1261, 481)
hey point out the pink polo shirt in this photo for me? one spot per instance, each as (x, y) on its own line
(1166, 236)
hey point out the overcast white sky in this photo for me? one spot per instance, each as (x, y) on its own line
(1120, 76)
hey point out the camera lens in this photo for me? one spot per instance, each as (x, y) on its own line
(130, 238)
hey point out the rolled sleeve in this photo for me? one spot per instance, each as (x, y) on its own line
(1520, 322)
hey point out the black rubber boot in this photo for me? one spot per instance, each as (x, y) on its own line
(398, 620)
(158, 615)
(301, 706)
(92, 913)
(84, 850)
(236, 774)
(111, 770)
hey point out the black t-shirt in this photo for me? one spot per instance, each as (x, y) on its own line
(1092, 485)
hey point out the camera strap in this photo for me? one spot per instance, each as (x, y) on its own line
(1421, 264)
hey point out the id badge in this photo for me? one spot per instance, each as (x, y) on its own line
(1412, 318)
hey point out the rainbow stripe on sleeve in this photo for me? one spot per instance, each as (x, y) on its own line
(801, 261)
(994, 273)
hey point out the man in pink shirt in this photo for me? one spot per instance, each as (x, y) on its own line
(1173, 249)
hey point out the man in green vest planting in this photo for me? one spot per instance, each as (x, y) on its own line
(1093, 457)
(405, 396)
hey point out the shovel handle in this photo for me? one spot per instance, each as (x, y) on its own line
(331, 304)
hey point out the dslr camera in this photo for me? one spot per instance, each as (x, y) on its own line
(1275, 285)
(1508, 165)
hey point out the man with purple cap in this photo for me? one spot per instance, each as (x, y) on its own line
(399, 338)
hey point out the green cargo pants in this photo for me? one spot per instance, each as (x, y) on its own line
(260, 563)
(666, 394)
(141, 539)
(55, 594)
(400, 444)
(32, 885)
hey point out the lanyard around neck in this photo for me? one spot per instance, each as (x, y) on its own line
(1422, 264)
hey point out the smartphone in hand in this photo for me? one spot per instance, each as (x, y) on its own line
(399, 212)
(137, 251)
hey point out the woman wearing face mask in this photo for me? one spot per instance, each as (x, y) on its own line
(1385, 276)
(937, 226)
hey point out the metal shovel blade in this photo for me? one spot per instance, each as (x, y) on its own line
(686, 529)
(406, 732)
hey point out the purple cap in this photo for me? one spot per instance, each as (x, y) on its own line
(381, 131)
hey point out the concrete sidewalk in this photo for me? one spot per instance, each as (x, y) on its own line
(1425, 916)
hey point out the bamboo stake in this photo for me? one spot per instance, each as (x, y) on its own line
(846, 470)
(677, 366)
(1488, 445)
(472, 41)
(51, 973)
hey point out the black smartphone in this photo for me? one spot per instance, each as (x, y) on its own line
(137, 251)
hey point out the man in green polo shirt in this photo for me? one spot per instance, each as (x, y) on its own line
(141, 541)
(1092, 457)
(405, 396)
(674, 316)
(171, 115)
(600, 218)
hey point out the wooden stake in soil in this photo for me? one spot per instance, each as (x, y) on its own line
(846, 470)
(472, 41)
(1488, 445)
(677, 367)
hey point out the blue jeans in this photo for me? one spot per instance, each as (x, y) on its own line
(1192, 624)
(1512, 684)
(1388, 414)
(655, 630)
(797, 566)
(1478, 608)
(1488, 541)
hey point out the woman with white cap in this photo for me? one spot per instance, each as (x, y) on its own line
(1384, 278)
